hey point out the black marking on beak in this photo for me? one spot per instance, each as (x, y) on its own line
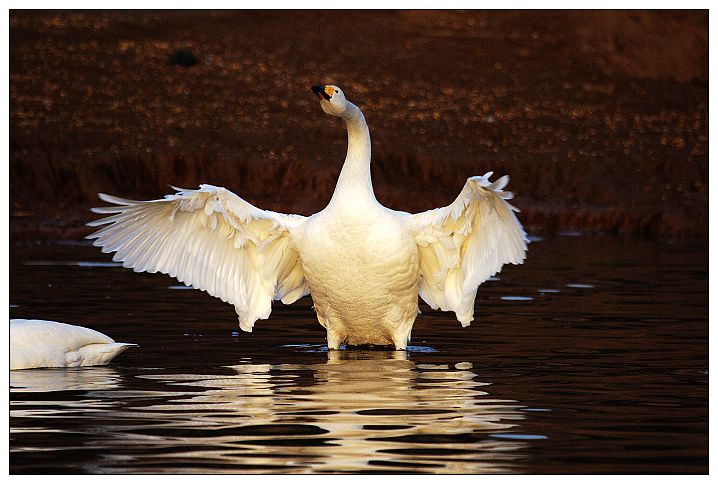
(319, 91)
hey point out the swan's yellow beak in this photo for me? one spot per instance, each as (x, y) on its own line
(323, 92)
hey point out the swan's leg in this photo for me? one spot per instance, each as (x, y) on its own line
(401, 334)
(400, 339)
(334, 340)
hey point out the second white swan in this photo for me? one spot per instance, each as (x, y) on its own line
(37, 343)
(364, 264)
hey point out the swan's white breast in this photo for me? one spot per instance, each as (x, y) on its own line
(363, 272)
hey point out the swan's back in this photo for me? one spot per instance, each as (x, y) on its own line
(36, 343)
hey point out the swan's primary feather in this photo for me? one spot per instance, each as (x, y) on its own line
(463, 244)
(212, 240)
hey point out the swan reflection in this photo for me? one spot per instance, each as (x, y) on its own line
(63, 379)
(358, 410)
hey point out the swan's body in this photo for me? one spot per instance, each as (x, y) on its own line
(35, 343)
(364, 264)
(363, 293)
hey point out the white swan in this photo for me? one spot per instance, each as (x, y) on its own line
(35, 343)
(363, 263)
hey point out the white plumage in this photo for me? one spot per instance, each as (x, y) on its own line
(36, 343)
(363, 263)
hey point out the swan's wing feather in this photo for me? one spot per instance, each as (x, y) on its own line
(212, 240)
(463, 244)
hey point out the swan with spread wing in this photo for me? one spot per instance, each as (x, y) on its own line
(363, 264)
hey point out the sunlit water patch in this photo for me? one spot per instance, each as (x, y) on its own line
(316, 348)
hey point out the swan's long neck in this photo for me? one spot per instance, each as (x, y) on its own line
(354, 183)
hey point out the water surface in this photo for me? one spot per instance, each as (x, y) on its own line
(591, 357)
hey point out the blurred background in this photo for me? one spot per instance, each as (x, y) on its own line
(599, 117)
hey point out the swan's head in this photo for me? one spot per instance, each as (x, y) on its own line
(331, 99)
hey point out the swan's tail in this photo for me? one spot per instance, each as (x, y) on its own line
(96, 354)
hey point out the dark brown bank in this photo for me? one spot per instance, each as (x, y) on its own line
(600, 118)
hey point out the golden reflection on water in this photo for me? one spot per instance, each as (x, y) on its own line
(358, 411)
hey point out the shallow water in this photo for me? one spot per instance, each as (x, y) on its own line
(592, 357)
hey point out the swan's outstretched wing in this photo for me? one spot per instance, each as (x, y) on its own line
(211, 239)
(465, 243)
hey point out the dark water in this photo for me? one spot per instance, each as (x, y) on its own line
(590, 358)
